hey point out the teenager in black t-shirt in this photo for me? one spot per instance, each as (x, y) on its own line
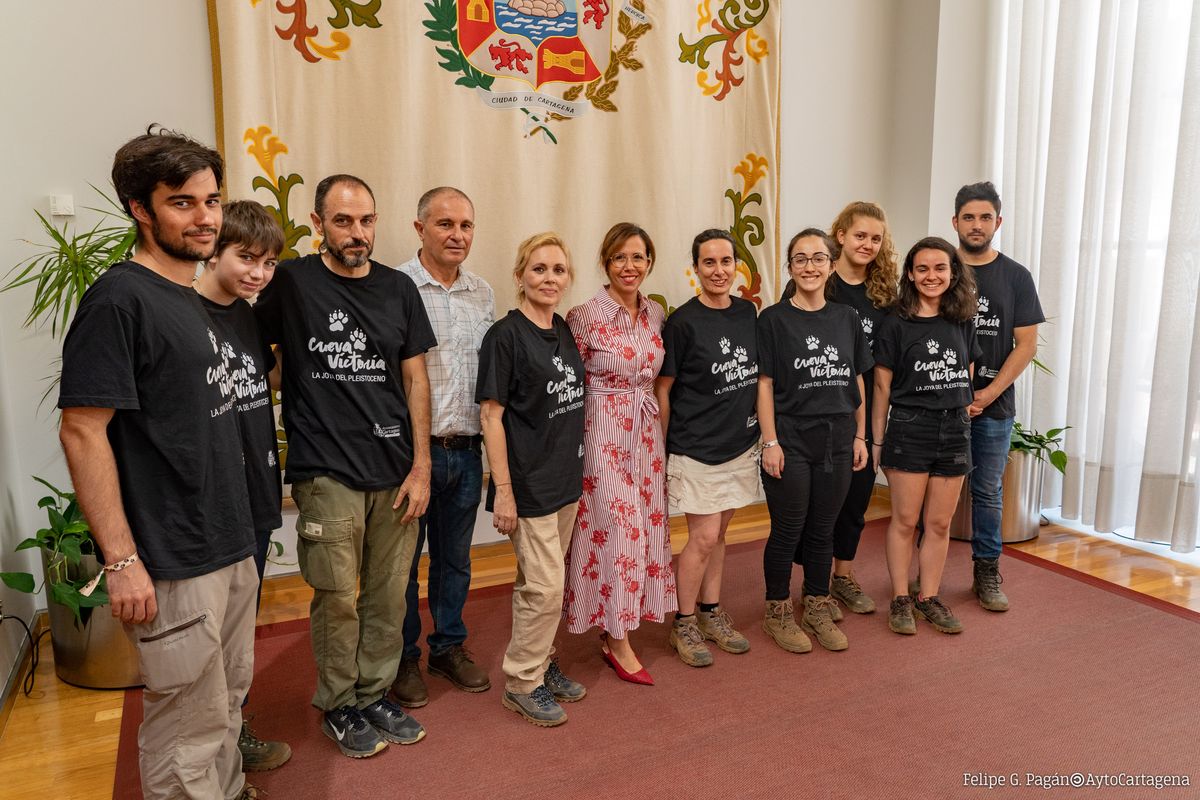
(152, 442)
(812, 354)
(923, 361)
(530, 392)
(706, 392)
(244, 264)
(864, 278)
(352, 335)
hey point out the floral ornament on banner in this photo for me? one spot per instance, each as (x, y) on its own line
(264, 147)
(735, 18)
(530, 45)
(747, 231)
(303, 36)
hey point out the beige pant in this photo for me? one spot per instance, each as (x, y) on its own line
(541, 545)
(349, 538)
(197, 660)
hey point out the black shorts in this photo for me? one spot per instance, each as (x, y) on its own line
(937, 442)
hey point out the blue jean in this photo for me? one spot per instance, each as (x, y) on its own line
(456, 485)
(989, 452)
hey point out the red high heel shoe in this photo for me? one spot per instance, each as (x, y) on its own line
(641, 677)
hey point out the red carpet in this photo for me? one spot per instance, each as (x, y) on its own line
(1073, 679)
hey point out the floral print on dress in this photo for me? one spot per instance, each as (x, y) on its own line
(619, 565)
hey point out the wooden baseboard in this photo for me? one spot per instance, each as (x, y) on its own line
(41, 621)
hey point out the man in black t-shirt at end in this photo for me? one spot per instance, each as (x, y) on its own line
(152, 442)
(1006, 329)
(352, 335)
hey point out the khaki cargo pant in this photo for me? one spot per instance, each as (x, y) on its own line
(197, 659)
(347, 537)
(541, 545)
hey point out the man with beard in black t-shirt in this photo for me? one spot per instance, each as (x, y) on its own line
(1006, 328)
(151, 438)
(353, 335)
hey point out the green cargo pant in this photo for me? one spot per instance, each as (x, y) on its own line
(346, 537)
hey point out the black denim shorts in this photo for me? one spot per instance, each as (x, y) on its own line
(924, 440)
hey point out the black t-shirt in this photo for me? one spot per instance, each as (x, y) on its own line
(143, 346)
(234, 324)
(814, 359)
(1007, 299)
(537, 375)
(930, 359)
(855, 296)
(713, 357)
(342, 341)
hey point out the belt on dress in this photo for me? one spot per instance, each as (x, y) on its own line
(644, 401)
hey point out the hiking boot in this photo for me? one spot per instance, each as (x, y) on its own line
(716, 626)
(392, 723)
(818, 621)
(251, 792)
(409, 687)
(260, 756)
(688, 642)
(934, 610)
(351, 732)
(456, 666)
(538, 707)
(563, 688)
(780, 624)
(986, 584)
(846, 589)
(900, 616)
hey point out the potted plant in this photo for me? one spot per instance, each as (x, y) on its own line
(69, 562)
(66, 264)
(1028, 451)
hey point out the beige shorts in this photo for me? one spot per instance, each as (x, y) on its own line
(694, 487)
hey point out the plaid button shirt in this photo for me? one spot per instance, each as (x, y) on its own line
(460, 316)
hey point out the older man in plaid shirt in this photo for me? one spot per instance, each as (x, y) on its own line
(461, 308)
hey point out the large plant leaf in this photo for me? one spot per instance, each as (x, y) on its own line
(21, 581)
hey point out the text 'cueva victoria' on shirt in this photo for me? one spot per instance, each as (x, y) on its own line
(343, 341)
(712, 355)
(930, 359)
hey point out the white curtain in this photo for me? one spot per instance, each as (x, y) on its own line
(1099, 165)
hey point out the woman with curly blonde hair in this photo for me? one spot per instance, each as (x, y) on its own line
(864, 278)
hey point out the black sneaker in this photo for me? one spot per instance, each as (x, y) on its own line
(351, 732)
(392, 723)
(538, 707)
(563, 688)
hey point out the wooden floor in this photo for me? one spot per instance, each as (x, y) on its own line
(62, 741)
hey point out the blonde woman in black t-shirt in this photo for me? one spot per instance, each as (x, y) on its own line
(924, 361)
(530, 392)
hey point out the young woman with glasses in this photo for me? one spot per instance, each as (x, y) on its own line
(812, 354)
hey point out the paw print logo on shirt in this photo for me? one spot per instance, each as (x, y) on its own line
(358, 339)
(932, 347)
(812, 342)
(558, 364)
(338, 320)
(831, 353)
(867, 325)
(983, 304)
(724, 345)
(741, 355)
(951, 358)
(227, 352)
(212, 337)
(248, 363)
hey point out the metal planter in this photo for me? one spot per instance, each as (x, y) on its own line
(1022, 501)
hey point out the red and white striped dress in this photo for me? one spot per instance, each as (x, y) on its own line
(619, 566)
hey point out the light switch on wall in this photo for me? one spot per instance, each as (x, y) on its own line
(62, 205)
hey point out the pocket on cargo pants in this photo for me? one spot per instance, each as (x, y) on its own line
(325, 540)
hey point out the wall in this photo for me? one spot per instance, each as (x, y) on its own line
(77, 101)
(878, 102)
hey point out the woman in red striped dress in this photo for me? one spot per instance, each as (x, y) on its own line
(619, 567)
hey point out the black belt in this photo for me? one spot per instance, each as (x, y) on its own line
(456, 442)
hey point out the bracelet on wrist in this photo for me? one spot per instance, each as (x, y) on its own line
(115, 566)
(771, 443)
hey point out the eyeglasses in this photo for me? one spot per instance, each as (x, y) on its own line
(818, 260)
(621, 260)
